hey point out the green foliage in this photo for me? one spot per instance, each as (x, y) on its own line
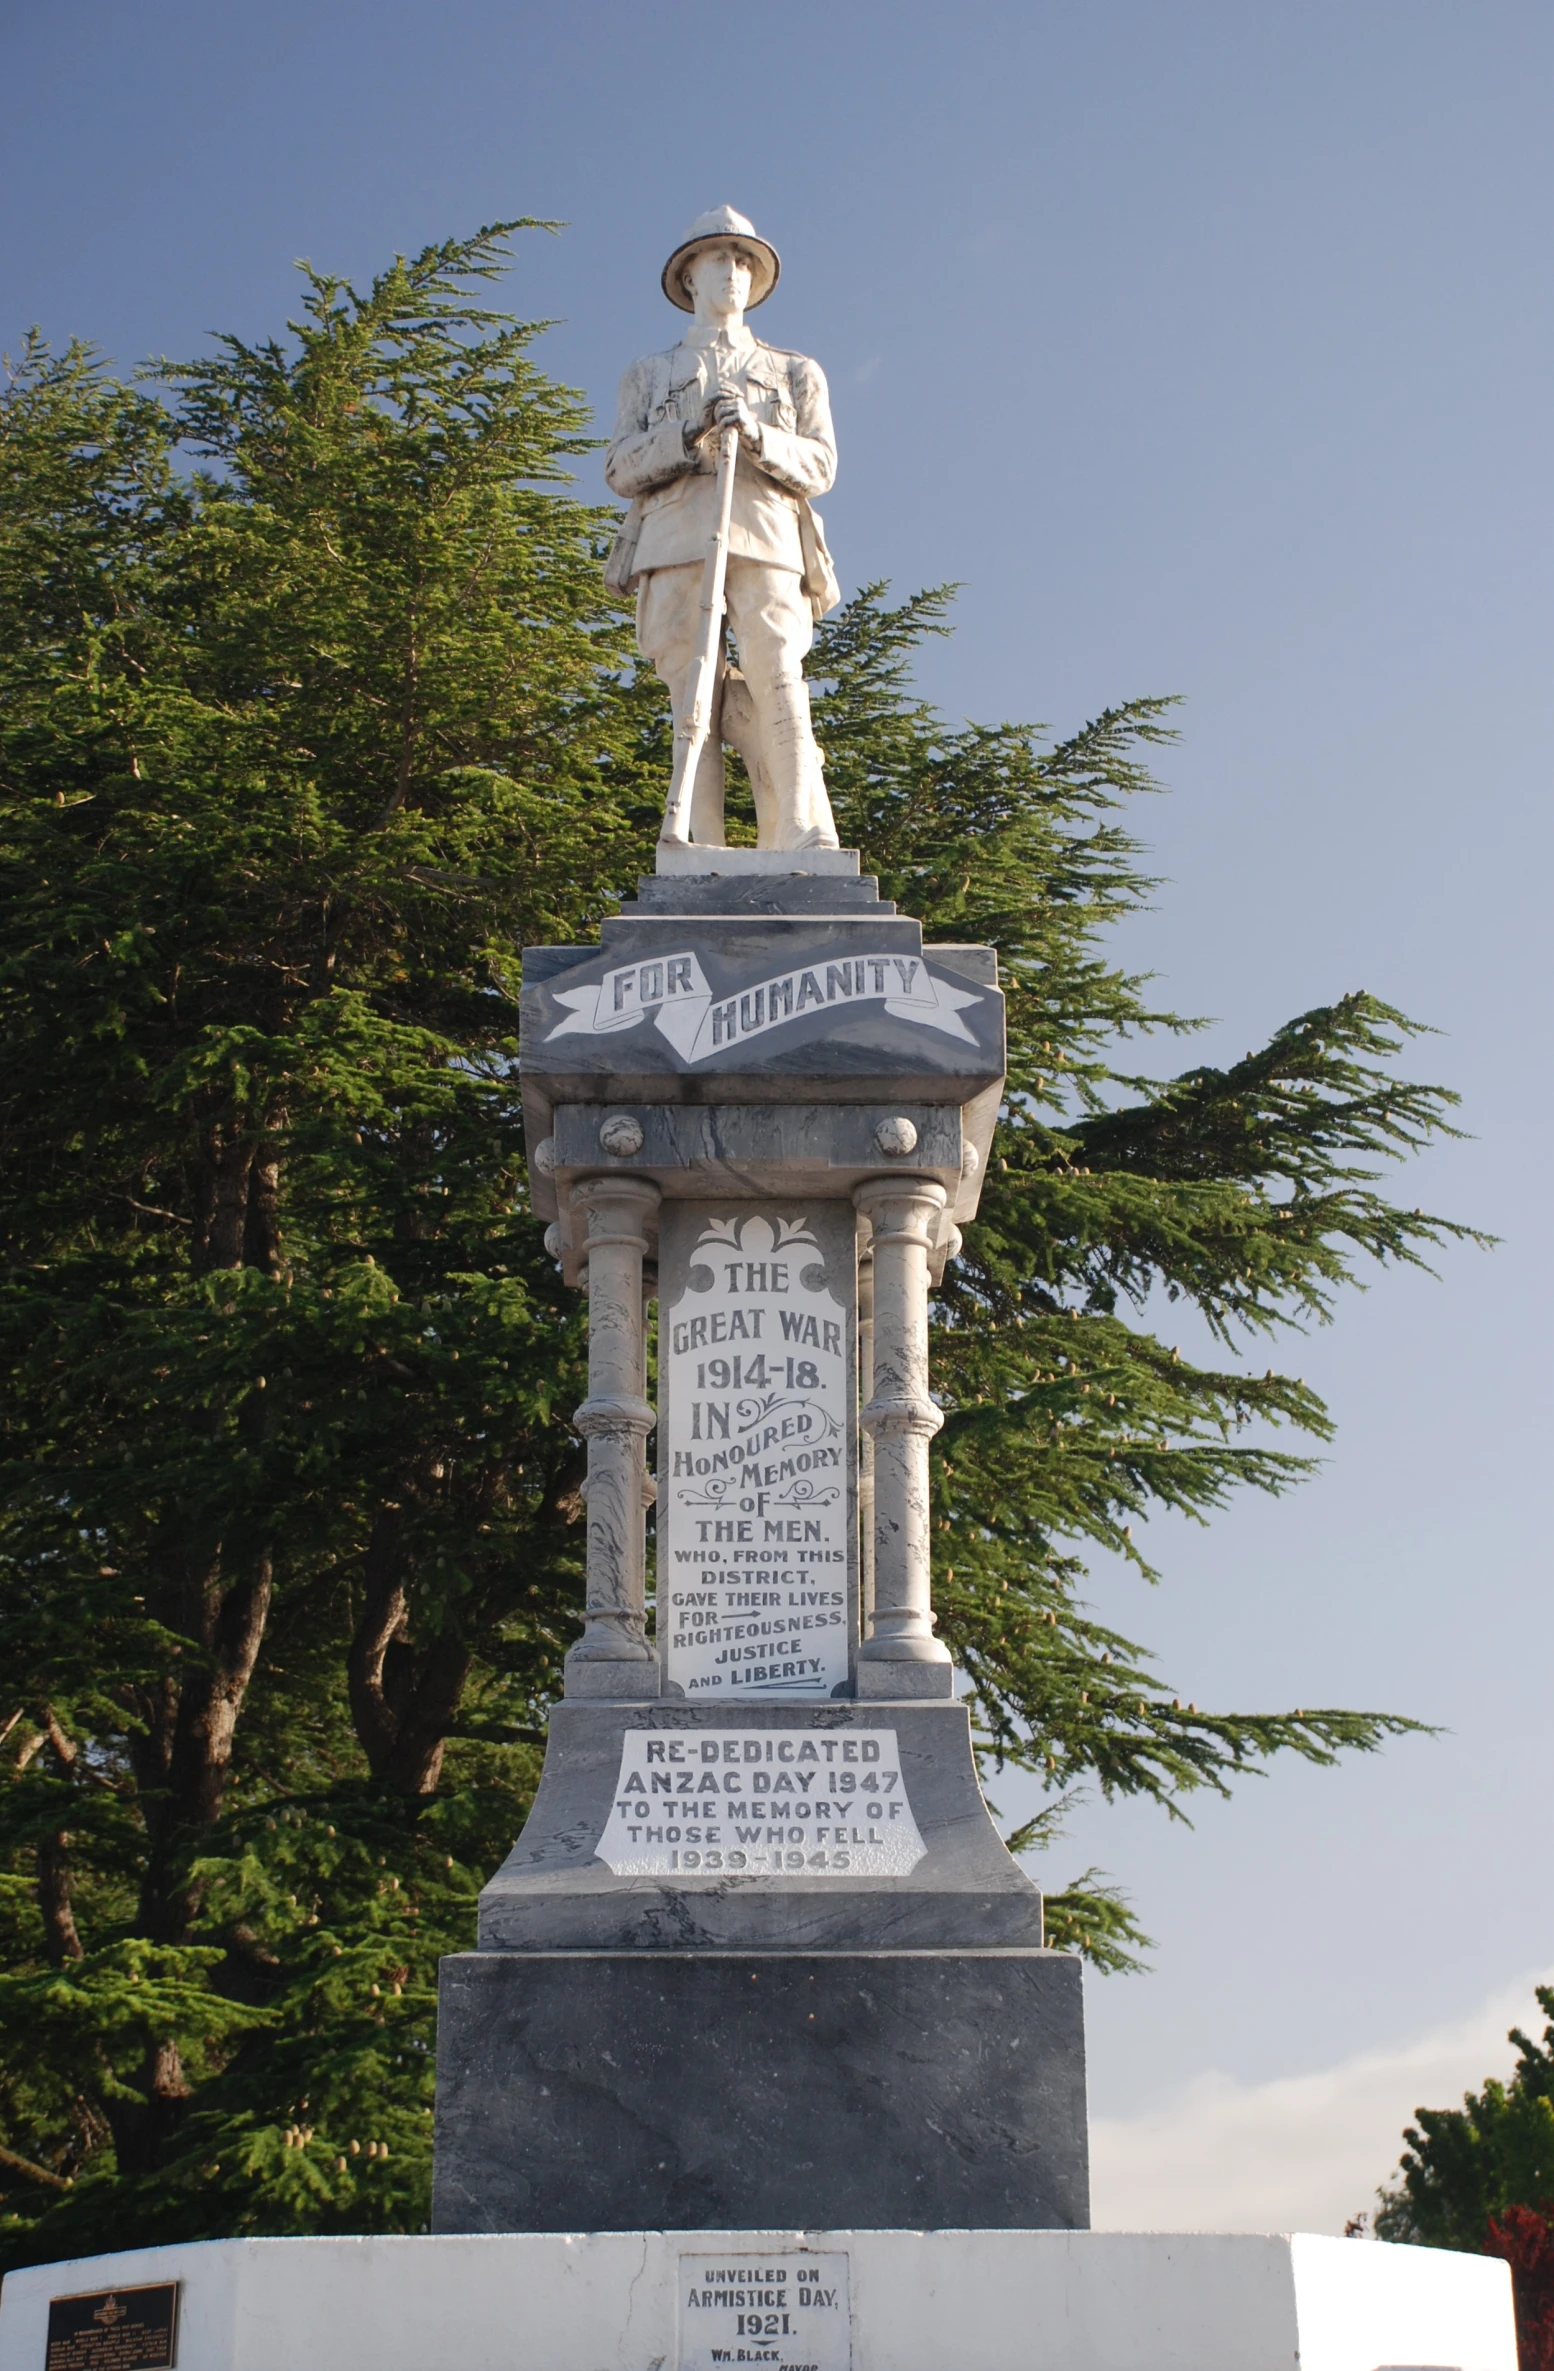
(313, 712)
(305, 2040)
(1464, 2165)
(300, 746)
(1247, 1194)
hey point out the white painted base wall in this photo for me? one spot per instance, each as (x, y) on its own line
(920, 2301)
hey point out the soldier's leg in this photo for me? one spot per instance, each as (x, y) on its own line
(668, 614)
(770, 615)
(742, 733)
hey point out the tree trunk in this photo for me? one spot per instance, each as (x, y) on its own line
(185, 1756)
(262, 1229)
(144, 2129)
(181, 1764)
(415, 1764)
(221, 1204)
(404, 1699)
(61, 1939)
(190, 1714)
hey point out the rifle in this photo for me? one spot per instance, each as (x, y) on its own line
(695, 722)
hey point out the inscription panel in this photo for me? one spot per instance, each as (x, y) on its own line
(114, 2329)
(760, 1803)
(758, 1429)
(789, 2311)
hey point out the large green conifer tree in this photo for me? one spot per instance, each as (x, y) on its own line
(312, 712)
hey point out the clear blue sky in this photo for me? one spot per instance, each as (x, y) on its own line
(1208, 346)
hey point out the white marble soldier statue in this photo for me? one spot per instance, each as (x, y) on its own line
(664, 458)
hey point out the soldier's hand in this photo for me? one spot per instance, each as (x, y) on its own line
(728, 409)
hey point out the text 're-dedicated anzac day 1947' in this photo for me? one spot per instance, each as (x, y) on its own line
(761, 1803)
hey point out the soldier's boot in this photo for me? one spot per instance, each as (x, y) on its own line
(802, 812)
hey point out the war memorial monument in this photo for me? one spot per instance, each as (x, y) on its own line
(760, 2057)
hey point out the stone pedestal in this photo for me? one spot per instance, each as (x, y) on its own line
(745, 2020)
(760, 1956)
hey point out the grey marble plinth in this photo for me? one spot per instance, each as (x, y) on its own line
(631, 2090)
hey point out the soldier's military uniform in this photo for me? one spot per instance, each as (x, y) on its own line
(780, 577)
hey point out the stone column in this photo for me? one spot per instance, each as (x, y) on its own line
(901, 1656)
(613, 1658)
(865, 1444)
(649, 1485)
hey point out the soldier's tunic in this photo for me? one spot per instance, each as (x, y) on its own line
(779, 572)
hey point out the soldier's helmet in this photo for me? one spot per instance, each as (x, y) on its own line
(720, 226)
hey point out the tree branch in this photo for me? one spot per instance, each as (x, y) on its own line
(30, 2172)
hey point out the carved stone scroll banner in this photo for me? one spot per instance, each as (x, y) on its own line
(699, 1020)
(766, 2308)
(757, 1503)
(114, 2330)
(761, 1803)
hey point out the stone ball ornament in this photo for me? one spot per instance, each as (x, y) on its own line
(553, 1241)
(896, 1137)
(970, 1160)
(543, 1157)
(620, 1134)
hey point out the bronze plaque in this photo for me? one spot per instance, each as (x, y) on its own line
(114, 2330)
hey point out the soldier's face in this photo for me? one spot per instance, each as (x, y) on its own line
(719, 283)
